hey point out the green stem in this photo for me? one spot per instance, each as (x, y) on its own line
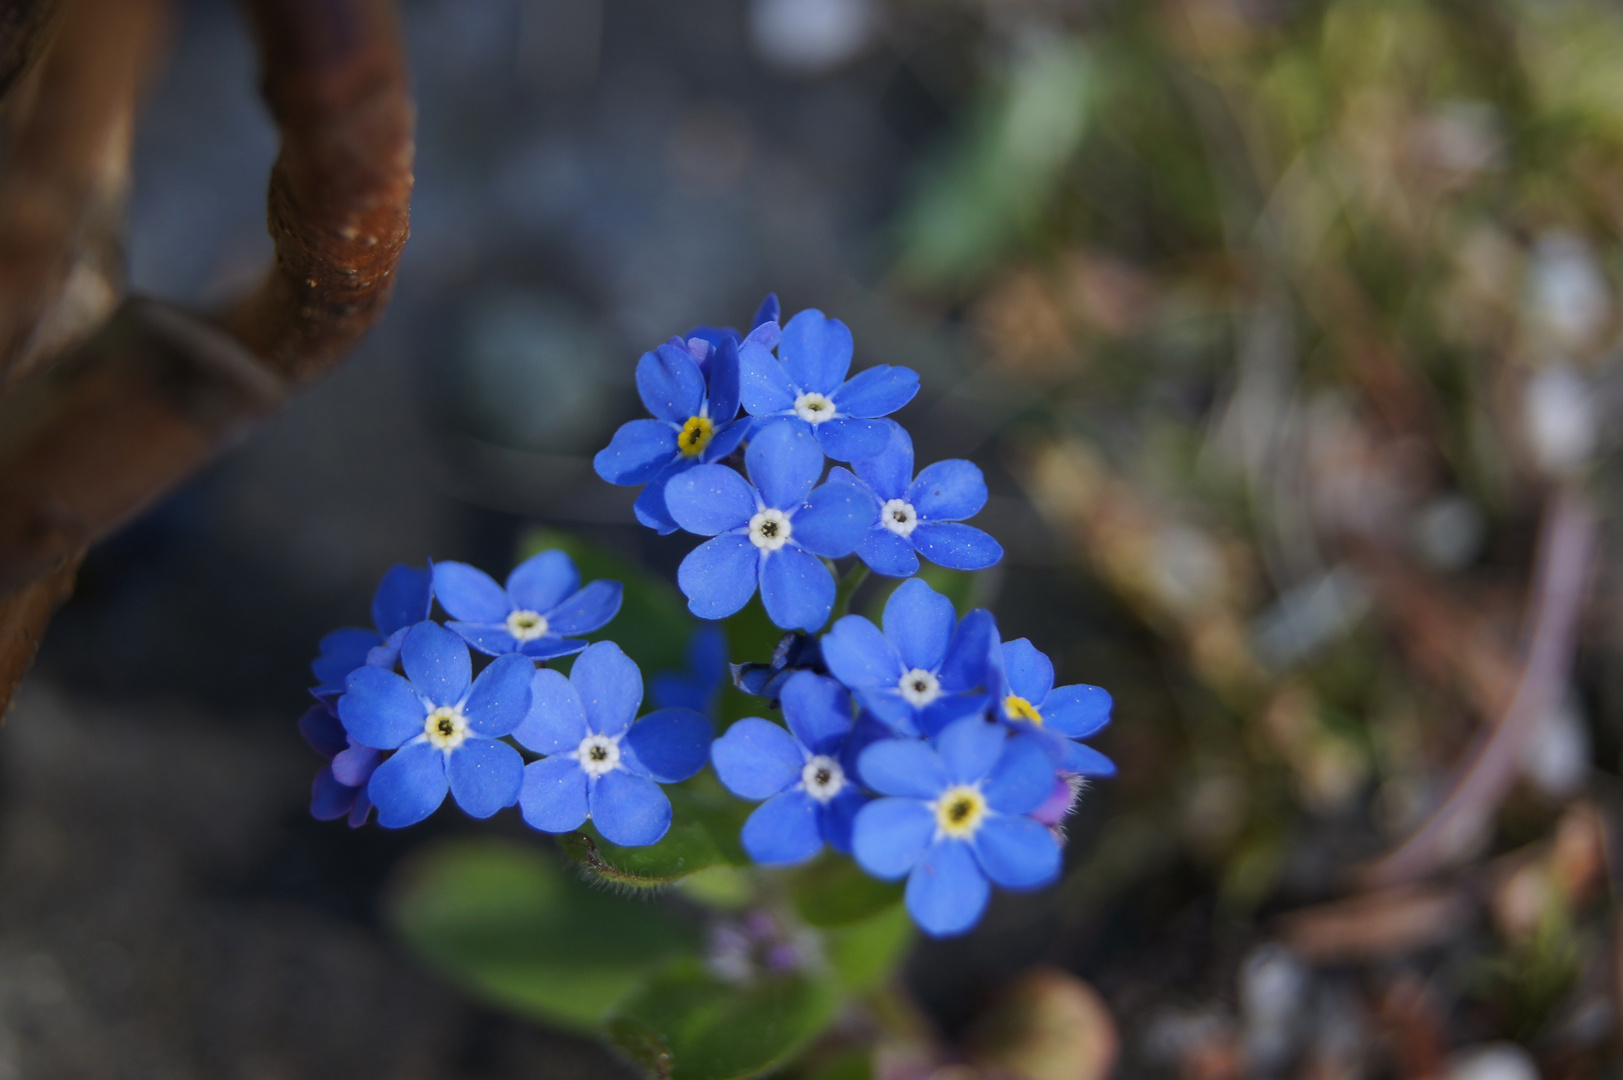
(848, 586)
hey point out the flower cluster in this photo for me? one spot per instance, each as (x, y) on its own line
(926, 748)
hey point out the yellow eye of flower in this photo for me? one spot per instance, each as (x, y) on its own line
(1016, 707)
(959, 811)
(696, 435)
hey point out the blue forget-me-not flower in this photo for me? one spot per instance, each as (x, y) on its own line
(767, 531)
(955, 820)
(339, 790)
(1028, 700)
(402, 600)
(598, 763)
(541, 605)
(805, 385)
(444, 726)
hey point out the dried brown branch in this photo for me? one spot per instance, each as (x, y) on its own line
(25, 30)
(23, 615)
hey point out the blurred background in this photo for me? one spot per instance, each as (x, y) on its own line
(1286, 333)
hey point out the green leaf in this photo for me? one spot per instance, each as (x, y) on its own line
(505, 921)
(705, 821)
(835, 892)
(689, 1025)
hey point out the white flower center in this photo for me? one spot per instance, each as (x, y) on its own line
(598, 754)
(823, 778)
(899, 517)
(770, 529)
(526, 625)
(446, 728)
(919, 688)
(814, 408)
(959, 811)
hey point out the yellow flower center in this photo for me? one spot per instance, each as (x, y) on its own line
(1016, 707)
(696, 435)
(959, 811)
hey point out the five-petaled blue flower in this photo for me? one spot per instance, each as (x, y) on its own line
(691, 388)
(598, 763)
(769, 532)
(1027, 699)
(922, 516)
(926, 670)
(339, 790)
(809, 390)
(443, 725)
(542, 604)
(955, 818)
(806, 774)
(402, 600)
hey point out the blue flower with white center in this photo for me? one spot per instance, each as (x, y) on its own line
(1027, 700)
(806, 774)
(443, 725)
(956, 820)
(339, 789)
(927, 668)
(691, 388)
(768, 531)
(698, 686)
(542, 604)
(598, 763)
(402, 600)
(805, 385)
(923, 515)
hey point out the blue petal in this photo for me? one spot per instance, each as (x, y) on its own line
(543, 581)
(668, 746)
(888, 706)
(756, 759)
(949, 707)
(724, 376)
(650, 505)
(588, 610)
(768, 312)
(971, 657)
(1017, 852)
(947, 892)
(835, 520)
(878, 391)
(847, 438)
(323, 731)
(330, 799)
(1029, 673)
(409, 786)
(697, 686)
(955, 546)
(838, 818)
(784, 462)
(436, 661)
(500, 698)
(1077, 711)
(764, 386)
(920, 621)
(610, 687)
(670, 383)
(1085, 761)
(719, 576)
(818, 711)
(553, 795)
(492, 639)
(639, 449)
(485, 776)
(891, 470)
(857, 654)
(796, 589)
(970, 747)
(726, 440)
(381, 709)
(1022, 778)
(342, 651)
(948, 491)
(629, 810)
(550, 648)
(403, 598)
(782, 830)
(889, 835)
(709, 499)
(903, 767)
(816, 351)
(888, 554)
(556, 721)
(468, 594)
(361, 810)
(355, 765)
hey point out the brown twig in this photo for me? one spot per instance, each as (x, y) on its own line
(25, 29)
(23, 615)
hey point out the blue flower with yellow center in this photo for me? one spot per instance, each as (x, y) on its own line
(541, 605)
(1027, 700)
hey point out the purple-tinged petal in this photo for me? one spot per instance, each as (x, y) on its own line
(1017, 852)
(838, 817)
(638, 451)
(550, 648)
(667, 746)
(920, 621)
(1030, 674)
(356, 764)
(796, 589)
(890, 471)
(889, 835)
(783, 830)
(848, 438)
(485, 776)
(650, 505)
(756, 759)
(709, 499)
(543, 581)
(589, 609)
(878, 391)
(817, 709)
(947, 892)
(972, 654)
(903, 767)
(719, 576)
(556, 721)
(380, 709)
(610, 687)
(552, 797)
(409, 786)
(1077, 711)
(970, 747)
(321, 728)
(948, 491)
(342, 651)
(888, 554)
(492, 639)
(1085, 761)
(470, 595)
(764, 387)
(329, 798)
(955, 546)
(1022, 777)
(723, 379)
(361, 810)
(835, 520)
(670, 383)
(436, 661)
(500, 698)
(784, 462)
(629, 810)
(404, 597)
(859, 655)
(816, 351)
